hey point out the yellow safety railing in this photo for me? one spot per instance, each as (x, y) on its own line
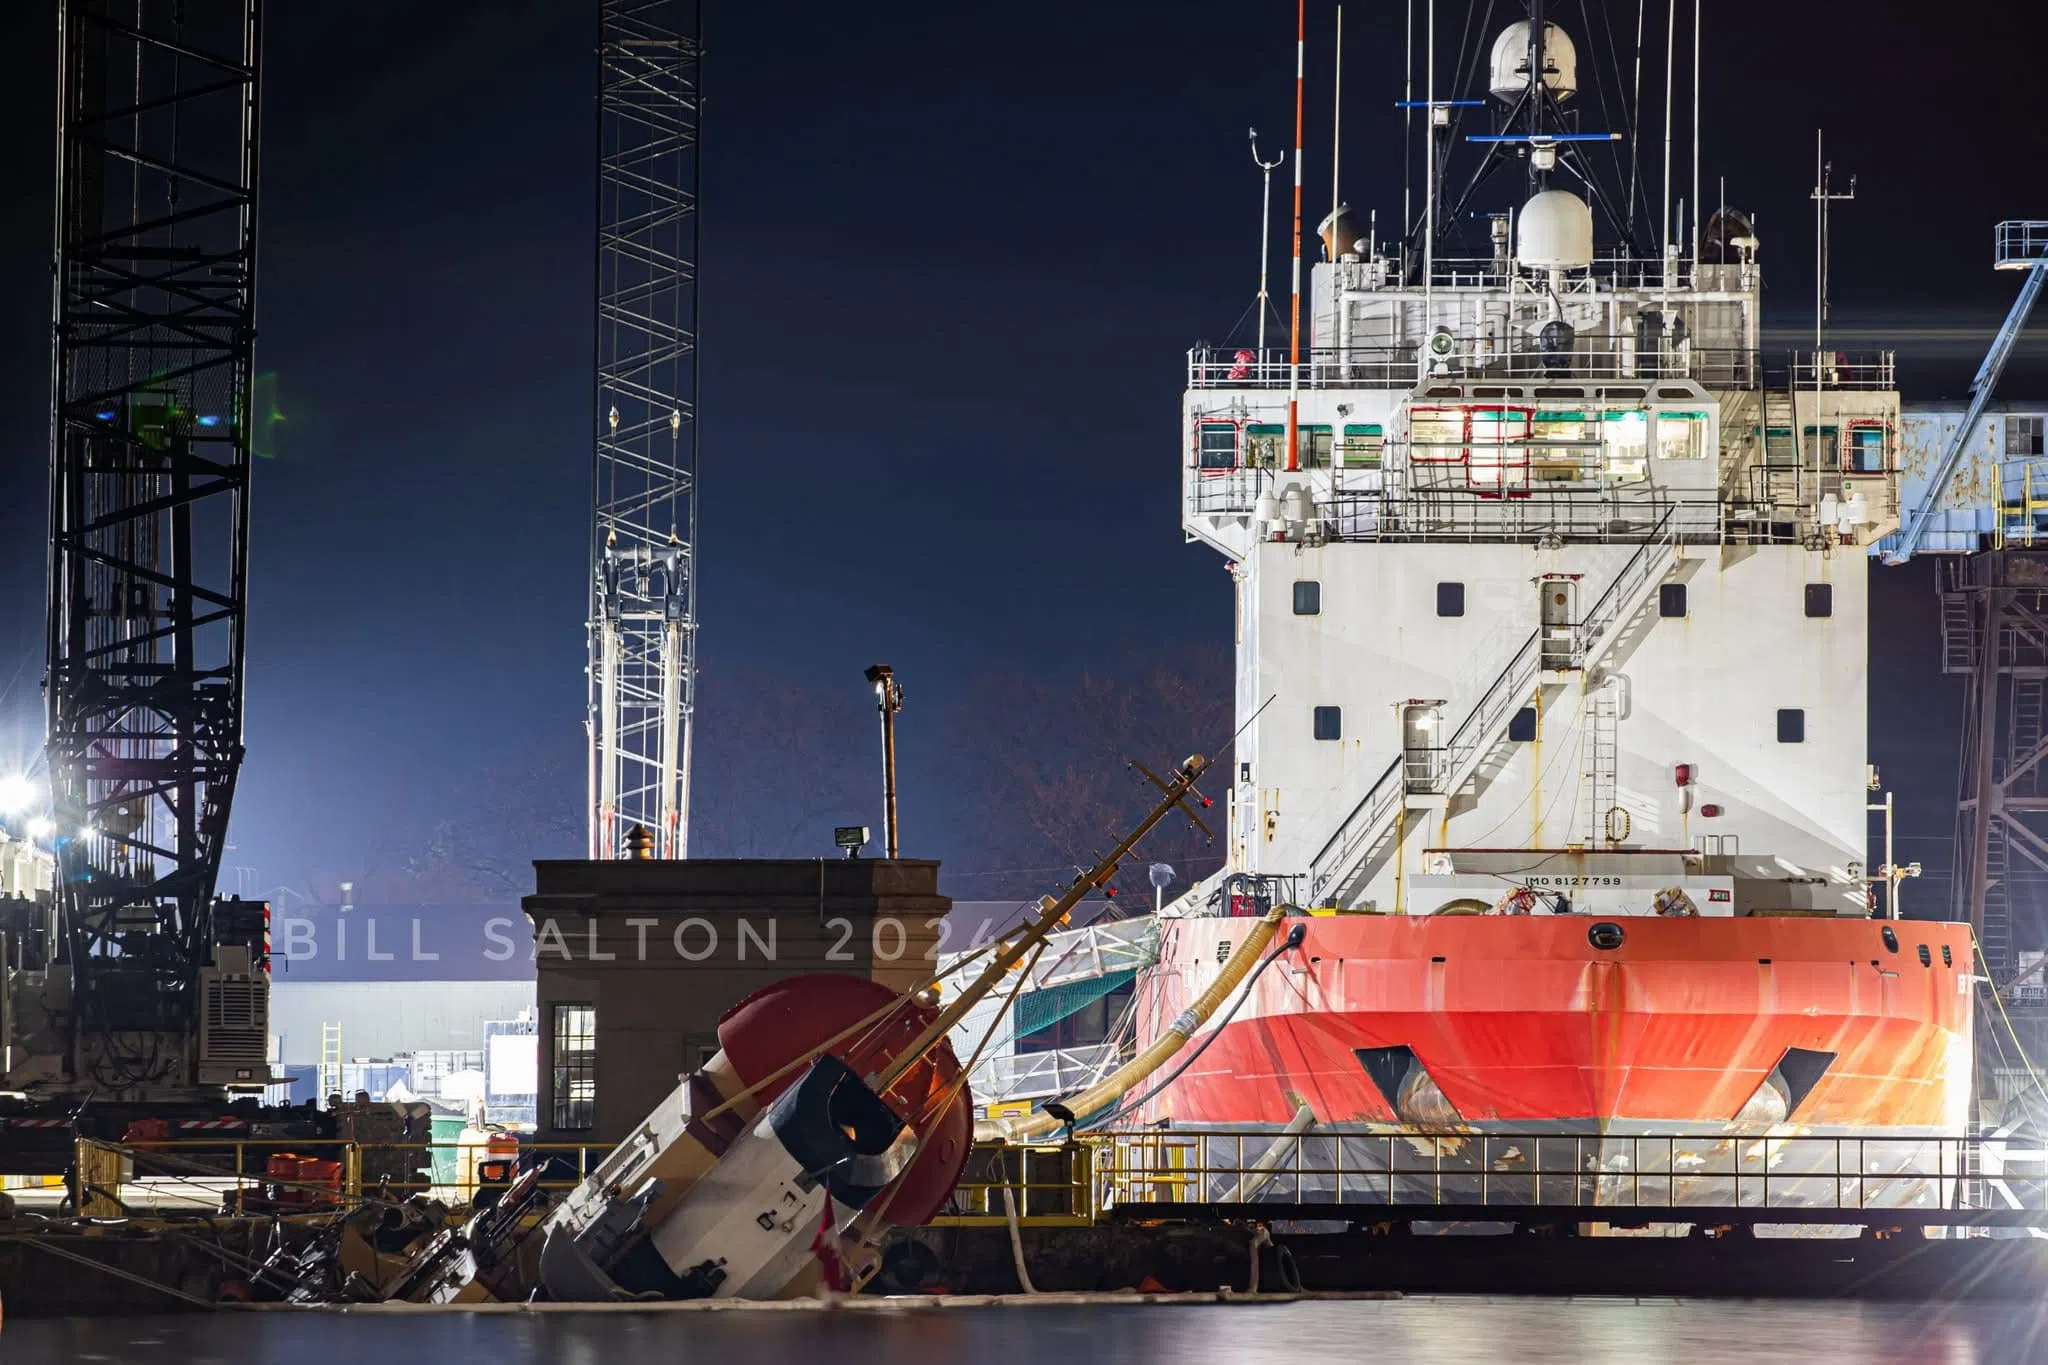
(208, 1174)
(1050, 1186)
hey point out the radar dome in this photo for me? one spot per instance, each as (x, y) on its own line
(1554, 232)
(1510, 64)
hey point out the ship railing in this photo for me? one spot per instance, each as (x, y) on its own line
(1359, 835)
(1378, 512)
(1802, 1179)
(1600, 624)
(1083, 954)
(1470, 358)
(1038, 1075)
(1867, 370)
(2019, 244)
(1607, 273)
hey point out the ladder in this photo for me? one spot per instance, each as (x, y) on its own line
(1995, 939)
(1781, 429)
(330, 1061)
(1603, 745)
(1959, 623)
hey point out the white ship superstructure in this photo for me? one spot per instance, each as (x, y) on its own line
(1556, 585)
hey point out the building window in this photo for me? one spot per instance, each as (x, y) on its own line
(574, 1039)
(1216, 445)
(1308, 597)
(1450, 599)
(1522, 728)
(2026, 436)
(1792, 726)
(1671, 599)
(1820, 599)
(1329, 722)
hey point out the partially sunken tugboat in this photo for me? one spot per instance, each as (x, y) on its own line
(1552, 665)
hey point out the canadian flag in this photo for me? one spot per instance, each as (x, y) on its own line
(826, 1245)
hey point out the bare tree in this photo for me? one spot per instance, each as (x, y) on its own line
(1050, 770)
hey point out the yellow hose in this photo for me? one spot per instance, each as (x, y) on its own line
(1017, 1127)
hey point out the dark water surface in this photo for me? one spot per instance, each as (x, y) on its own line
(1452, 1330)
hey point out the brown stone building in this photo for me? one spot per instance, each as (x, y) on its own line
(636, 960)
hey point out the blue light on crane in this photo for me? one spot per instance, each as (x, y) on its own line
(107, 416)
(210, 420)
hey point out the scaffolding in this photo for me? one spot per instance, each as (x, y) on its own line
(1994, 622)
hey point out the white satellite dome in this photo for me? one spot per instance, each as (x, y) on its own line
(1554, 232)
(1510, 64)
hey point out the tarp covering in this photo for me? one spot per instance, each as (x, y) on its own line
(1038, 1009)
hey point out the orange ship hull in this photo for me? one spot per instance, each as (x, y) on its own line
(1522, 1024)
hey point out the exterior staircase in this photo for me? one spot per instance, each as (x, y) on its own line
(1367, 835)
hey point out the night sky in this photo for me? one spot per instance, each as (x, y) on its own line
(952, 258)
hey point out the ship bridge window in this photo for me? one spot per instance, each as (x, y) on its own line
(1364, 444)
(1823, 444)
(1265, 445)
(1869, 448)
(1315, 447)
(1625, 438)
(1681, 435)
(1499, 460)
(1436, 435)
(1560, 393)
(1216, 445)
(1625, 395)
(1560, 447)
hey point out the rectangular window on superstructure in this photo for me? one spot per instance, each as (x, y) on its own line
(1315, 446)
(1436, 435)
(1868, 451)
(1308, 597)
(1559, 446)
(574, 1042)
(1216, 445)
(1822, 444)
(1792, 726)
(1329, 722)
(1522, 726)
(1681, 435)
(1820, 599)
(2026, 436)
(1671, 599)
(1450, 599)
(1265, 445)
(1499, 449)
(1625, 445)
(1363, 445)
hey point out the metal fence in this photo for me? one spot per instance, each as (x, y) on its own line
(1797, 1174)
